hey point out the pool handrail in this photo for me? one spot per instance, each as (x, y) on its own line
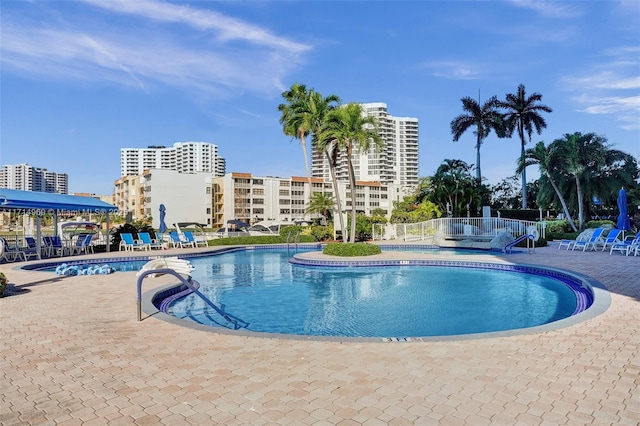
(509, 247)
(190, 286)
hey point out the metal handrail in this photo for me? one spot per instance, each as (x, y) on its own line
(509, 247)
(187, 283)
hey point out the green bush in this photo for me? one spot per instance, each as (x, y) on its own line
(557, 229)
(351, 249)
(4, 282)
(599, 223)
(257, 240)
(540, 243)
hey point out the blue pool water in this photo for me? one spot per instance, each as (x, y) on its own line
(273, 296)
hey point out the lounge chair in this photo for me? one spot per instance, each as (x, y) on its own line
(176, 241)
(32, 248)
(596, 238)
(628, 246)
(197, 242)
(54, 245)
(145, 238)
(10, 253)
(612, 237)
(128, 243)
(83, 244)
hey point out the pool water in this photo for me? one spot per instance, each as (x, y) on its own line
(273, 296)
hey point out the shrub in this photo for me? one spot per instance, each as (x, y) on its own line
(540, 243)
(557, 229)
(3, 284)
(257, 240)
(351, 249)
(599, 223)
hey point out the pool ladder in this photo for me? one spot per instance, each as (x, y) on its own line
(293, 238)
(189, 283)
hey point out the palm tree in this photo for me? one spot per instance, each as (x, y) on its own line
(317, 109)
(544, 157)
(484, 118)
(523, 115)
(351, 130)
(321, 204)
(294, 120)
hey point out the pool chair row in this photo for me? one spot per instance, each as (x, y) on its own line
(187, 239)
(598, 239)
(143, 242)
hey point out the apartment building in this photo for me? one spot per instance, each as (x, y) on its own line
(183, 157)
(186, 196)
(396, 163)
(252, 199)
(27, 178)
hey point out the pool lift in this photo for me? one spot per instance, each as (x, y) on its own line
(180, 268)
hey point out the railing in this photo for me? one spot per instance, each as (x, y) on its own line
(237, 322)
(293, 238)
(456, 228)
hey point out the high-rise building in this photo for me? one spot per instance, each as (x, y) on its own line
(183, 157)
(396, 163)
(28, 178)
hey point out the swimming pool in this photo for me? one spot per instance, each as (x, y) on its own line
(272, 295)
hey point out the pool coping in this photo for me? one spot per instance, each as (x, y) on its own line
(601, 297)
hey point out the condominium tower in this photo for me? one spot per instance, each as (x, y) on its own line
(183, 157)
(396, 163)
(27, 178)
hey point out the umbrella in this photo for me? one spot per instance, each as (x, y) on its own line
(162, 228)
(623, 217)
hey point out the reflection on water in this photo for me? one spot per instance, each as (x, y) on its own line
(262, 288)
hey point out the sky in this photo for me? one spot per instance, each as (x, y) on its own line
(79, 80)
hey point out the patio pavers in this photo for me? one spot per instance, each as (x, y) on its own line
(72, 352)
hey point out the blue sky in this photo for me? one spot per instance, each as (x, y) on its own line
(82, 79)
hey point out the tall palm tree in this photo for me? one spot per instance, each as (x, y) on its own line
(523, 115)
(544, 157)
(318, 107)
(483, 118)
(294, 120)
(352, 130)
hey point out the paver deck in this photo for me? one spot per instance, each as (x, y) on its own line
(72, 352)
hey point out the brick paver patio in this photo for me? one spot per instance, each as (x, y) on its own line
(73, 353)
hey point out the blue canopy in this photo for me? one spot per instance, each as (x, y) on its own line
(33, 202)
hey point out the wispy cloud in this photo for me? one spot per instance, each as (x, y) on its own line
(609, 87)
(550, 9)
(224, 61)
(454, 70)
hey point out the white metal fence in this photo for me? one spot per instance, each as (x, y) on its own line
(475, 228)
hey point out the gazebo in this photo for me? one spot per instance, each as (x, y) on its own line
(40, 203)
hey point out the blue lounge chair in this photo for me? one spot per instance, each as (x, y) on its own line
(196, 241)
(176, 241)
(596, 238)
(129, 243)
(83, 244)
(10, 253)
(54, 245)
(32, 248)
(628, 246)
(612, 237)
(145, 238)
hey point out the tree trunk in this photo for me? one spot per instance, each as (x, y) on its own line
(580, 206)
(524, 169)
(336, 191)
(478, 171)
(303, 142)
(352, 179)
(565, 209)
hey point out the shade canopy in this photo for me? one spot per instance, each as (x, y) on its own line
(33, 202)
